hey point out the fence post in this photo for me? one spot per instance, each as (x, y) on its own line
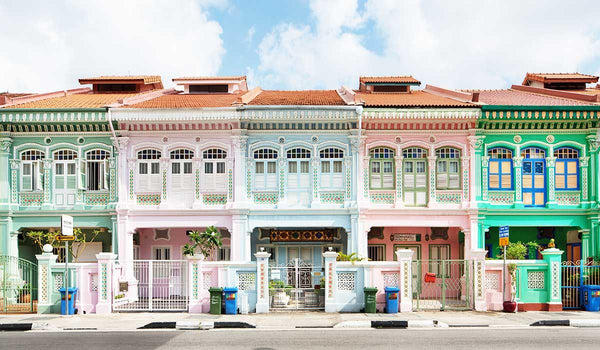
(45, 261)
(195, 287)
(262, 282)
(478, 277)
(552, 278)
(330, 281)
(404, 257)
(105, 285)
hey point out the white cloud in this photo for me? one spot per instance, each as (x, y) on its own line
(48, 45)
(250, 35)
(457, 44)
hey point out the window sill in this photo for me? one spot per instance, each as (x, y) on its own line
(96, 191)
(218, 191)
(31, 192)
(266, 191)
(382, 190)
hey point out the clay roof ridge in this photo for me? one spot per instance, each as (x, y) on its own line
(452, 94)
(232, 77)
(348, 95)
(250, 95)
(142, 97)
(10, 102)
(558, 93)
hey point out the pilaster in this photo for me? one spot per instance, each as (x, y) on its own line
(262, 282)
(399, 199)
(195, 286)
(478, 256)
(105, 285)
(197, 169)
(552, 257)
(330, 281)
(585, 244)
(404, 257)
(123, 183)
(550, 170)
(315, 162)
(518, 177)
(5, 188)
(164, 170)
(45, 262)
(240, 194)
(47, 203)
(431, 187)
(476, 163)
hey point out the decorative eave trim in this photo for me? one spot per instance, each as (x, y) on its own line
(538, 108)
(541, 114)
(422, 114)
(53, 116)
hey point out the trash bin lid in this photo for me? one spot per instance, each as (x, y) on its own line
(215, 289)
(230, 290)
(392, 289)
(71, 290)
(371, 289)
(591, 286)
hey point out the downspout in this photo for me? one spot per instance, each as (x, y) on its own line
(110, 125)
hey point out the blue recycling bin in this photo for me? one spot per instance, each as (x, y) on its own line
(69, 301)
(391, 300)
(591, 297)
(230, 300)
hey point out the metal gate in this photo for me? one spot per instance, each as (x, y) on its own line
(18, 285)
(296, 286)
(162, 286)
(442, 284)
(574, 275)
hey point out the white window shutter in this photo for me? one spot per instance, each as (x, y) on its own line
(454, 181)
(39, 169)
(442, 180)
(155, 182)
(388, 180)
(220, 181)
(82, 181)
(105, 173)
(271, 181)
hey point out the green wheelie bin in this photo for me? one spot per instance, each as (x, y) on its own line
(370, 300)
(215, 300)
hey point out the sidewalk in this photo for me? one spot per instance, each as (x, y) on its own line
(291, 320)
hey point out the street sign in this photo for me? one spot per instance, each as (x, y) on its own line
(66, 225)
(65, 238)
(503, 236)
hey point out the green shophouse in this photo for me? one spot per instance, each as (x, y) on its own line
(537, 154)
(57, 157)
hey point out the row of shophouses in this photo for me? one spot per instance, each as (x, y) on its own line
(416, 179)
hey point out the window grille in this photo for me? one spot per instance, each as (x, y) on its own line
(182, 153)
(500, 153)
(298, 153)
(149, 154)
(376, 252)
(382, 153)
(214, 153)
(533, 153)
(414, 152)
(329, 153)
(265, 153)
(32, 155)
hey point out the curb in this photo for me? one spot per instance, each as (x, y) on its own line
(196, 325)
(391, 324)
(21, 327)
(551, 323)
(584, 322)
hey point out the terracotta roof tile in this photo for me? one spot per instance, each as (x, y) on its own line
(522, 98)
(240, 77)
(390, 79)
(297, 98)
(147, 79)
(87, 100)
(560, 77)
(417, 99)
(189, 101)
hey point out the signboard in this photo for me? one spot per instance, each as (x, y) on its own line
(275, 275)
(65, 238)
(405, 237)
(66, 225)
(503, 236)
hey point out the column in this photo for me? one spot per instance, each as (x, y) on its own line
(353, 235)
(105, 285)
(262, 281)
(15, 165)
(550, 170)
(348, 183)
(112, 181)
(13, 246)
(5, 188)
(465, 181)
(315, 162)
(594, 144)
(195, 286)
(239, 238)
(585, 244)
(127, 185)
(197, 169)
(361, 164)
(404, 257)
(282, 171)
(47, 203)
(432, 170)
(362, 239)
(45, 261)
(240, 171)
(478, 256)
(477, 163)
(585, 185)
(330, 281)
(399, 169)
(164, 170)
(230, 199)
(249, 178)
(551, 257)
(518, 177)
(485, 162)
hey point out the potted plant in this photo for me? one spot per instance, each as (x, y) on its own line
(278, 291)
(24, 295)
(511, 305)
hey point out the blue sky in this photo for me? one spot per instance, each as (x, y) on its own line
(296, 44)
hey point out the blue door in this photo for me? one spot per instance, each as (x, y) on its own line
(534, 177)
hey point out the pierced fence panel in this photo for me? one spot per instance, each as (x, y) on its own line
(442, 284)
(296, 286)
(18, 285)
(162, 286)
(575, 275)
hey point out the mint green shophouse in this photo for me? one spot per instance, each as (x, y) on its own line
(52, 162)
(537, 163)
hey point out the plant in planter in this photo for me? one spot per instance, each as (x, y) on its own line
(353, 257)
(279, 293)
(203, 242)
(24, 293)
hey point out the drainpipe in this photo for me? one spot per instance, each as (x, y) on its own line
(112, 130)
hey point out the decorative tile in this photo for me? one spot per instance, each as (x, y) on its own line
(503, 198)
(44, 286)
(31, 199)
(148, 199)
(383, 197)
(197, 184)
(207, 280)
(492, 281)
(230, 184)
(452, 197)
(131, 184)
(266, 198)
(94, 283)
(58, 280)
(332, 197)
(346, 281)
(96, 198)
(214, 199)
(113, 184)
(555, 270)
(568, 197)
(535, 279)
(391, 279)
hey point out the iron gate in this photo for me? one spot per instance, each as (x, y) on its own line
(162, 286)
(18, 285)
(296, 286)
(574, 275)
(442, 284)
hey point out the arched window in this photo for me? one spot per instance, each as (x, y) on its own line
(214, 169)
(448, 168)
(567, 168)
(414, 177)
(332, 168)
(65, 154)
(65, 177)
(149, 179)
(265, 169)
(97, 171)
(500, 168)
(382, 168)
(298, 179)
(182, 179)
(534, 176)
(31, 170)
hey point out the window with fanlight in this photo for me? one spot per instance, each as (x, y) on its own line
(382, 168)
(332, 168)
(265, 169)
(500, 169)
(215, 178)
(447, 168)
(566, 169)
(32, 170)
(148, 171)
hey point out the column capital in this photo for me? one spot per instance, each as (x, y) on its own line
(262, 255)
(583, 161)
(475, 142)
(550, 161)
(404, 254)
(594, 142)
(5, 144)
(517, 161)
(121, 144)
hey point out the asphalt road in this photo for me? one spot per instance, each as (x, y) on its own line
(481, 338)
